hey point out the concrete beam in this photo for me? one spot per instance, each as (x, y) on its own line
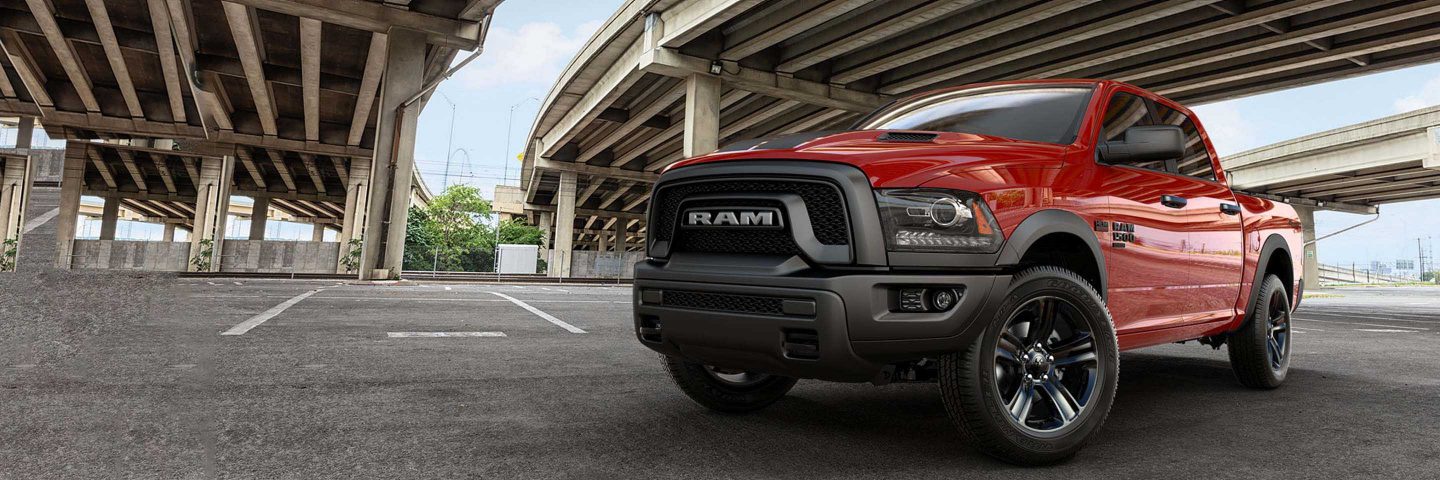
(670, 62)
(241, 29)
(918, 75)
(588, 212)
(622, 74)
(369, 86)
(1323, 31)
(951, 39)
(859, 32)
(691, 19)
(638, 118)
(607, 172)
(45, 16)
(165, 47)
(377, 18)
(214, 114)
(799, 17)
(30, 74)
(101, 17)
(310, 74)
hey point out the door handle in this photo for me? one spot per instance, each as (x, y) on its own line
(1173, 201)
(1230, 208)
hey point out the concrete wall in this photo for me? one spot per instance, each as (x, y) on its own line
(46, 164)
(593, 264)
(279, 257)
(130, 255)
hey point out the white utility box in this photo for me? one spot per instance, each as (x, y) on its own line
(522, 259)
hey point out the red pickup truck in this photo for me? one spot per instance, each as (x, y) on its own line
(1005, 240)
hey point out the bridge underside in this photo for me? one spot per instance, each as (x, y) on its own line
(665, 79)
(291, 100)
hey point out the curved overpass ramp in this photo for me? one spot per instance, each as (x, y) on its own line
(664, 79)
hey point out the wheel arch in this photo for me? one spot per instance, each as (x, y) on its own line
(1057, 231)
(1274, 258)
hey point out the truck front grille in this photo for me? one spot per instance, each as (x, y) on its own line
(724, 302)
(822, 200)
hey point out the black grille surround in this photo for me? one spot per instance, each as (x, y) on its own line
(724, 302)
(823, 201)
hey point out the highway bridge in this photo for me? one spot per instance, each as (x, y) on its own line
(170, 107)
(665, 79)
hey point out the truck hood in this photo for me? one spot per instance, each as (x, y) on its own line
(893, 158)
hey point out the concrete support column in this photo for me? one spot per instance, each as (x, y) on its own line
(259, 215)
(702, 114)
(15, 193)
(357, 207)
(212, 208)
(1311, 257)
(169, 234)
(547, 229)
(620, 234)
(604, 245)
(109, 218)
(564, 226)
(317, 234)
(394, 161)
(71, 184)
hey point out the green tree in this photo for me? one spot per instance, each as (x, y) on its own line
(451, 234)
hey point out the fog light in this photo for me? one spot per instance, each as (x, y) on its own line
(942, 299)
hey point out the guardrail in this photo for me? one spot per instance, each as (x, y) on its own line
(491, 277)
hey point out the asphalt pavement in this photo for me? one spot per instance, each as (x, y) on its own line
(112, 375)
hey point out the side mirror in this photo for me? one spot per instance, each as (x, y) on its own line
(1145, 144)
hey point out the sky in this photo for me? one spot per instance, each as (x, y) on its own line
(531, 41)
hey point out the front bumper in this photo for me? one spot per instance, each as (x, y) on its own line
(834, 325)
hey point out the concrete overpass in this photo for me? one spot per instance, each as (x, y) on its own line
(1354, 169)
(666, 79)
(172, 106)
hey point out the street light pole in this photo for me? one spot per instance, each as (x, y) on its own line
(449, 143)
(509, 129)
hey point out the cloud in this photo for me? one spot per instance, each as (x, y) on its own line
(535, 53)
(1229, 130)
(1428, 95)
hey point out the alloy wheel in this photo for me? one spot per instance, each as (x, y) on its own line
(1046, 366)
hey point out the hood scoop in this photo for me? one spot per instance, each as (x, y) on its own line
(907, 137)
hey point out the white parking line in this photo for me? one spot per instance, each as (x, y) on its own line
(537, 312)
(1384, 330)
(255, 321)
(1357, 323)
(442, 334)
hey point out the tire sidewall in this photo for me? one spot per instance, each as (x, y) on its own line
(1057, 283)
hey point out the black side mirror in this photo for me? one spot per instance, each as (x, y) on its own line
(1145, 144)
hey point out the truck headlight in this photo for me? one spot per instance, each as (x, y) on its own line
(932, 220)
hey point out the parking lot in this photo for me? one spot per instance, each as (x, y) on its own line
(133, 378)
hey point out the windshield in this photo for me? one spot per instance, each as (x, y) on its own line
(1039, 113)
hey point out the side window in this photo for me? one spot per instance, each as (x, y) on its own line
(1196, 162)
(1125, 111)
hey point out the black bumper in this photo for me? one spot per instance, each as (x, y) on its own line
(834, 325)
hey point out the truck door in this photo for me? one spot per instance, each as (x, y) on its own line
(1145, 258)
(1215, 247)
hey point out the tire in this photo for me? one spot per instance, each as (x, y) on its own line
(1077, 363)
(1260, 349)
(724, 391)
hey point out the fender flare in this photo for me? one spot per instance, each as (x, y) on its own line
(1273, 243)
(1045, 222)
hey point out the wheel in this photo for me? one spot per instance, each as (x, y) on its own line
(1260, 350)
(729, 391)
(1039, 382)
